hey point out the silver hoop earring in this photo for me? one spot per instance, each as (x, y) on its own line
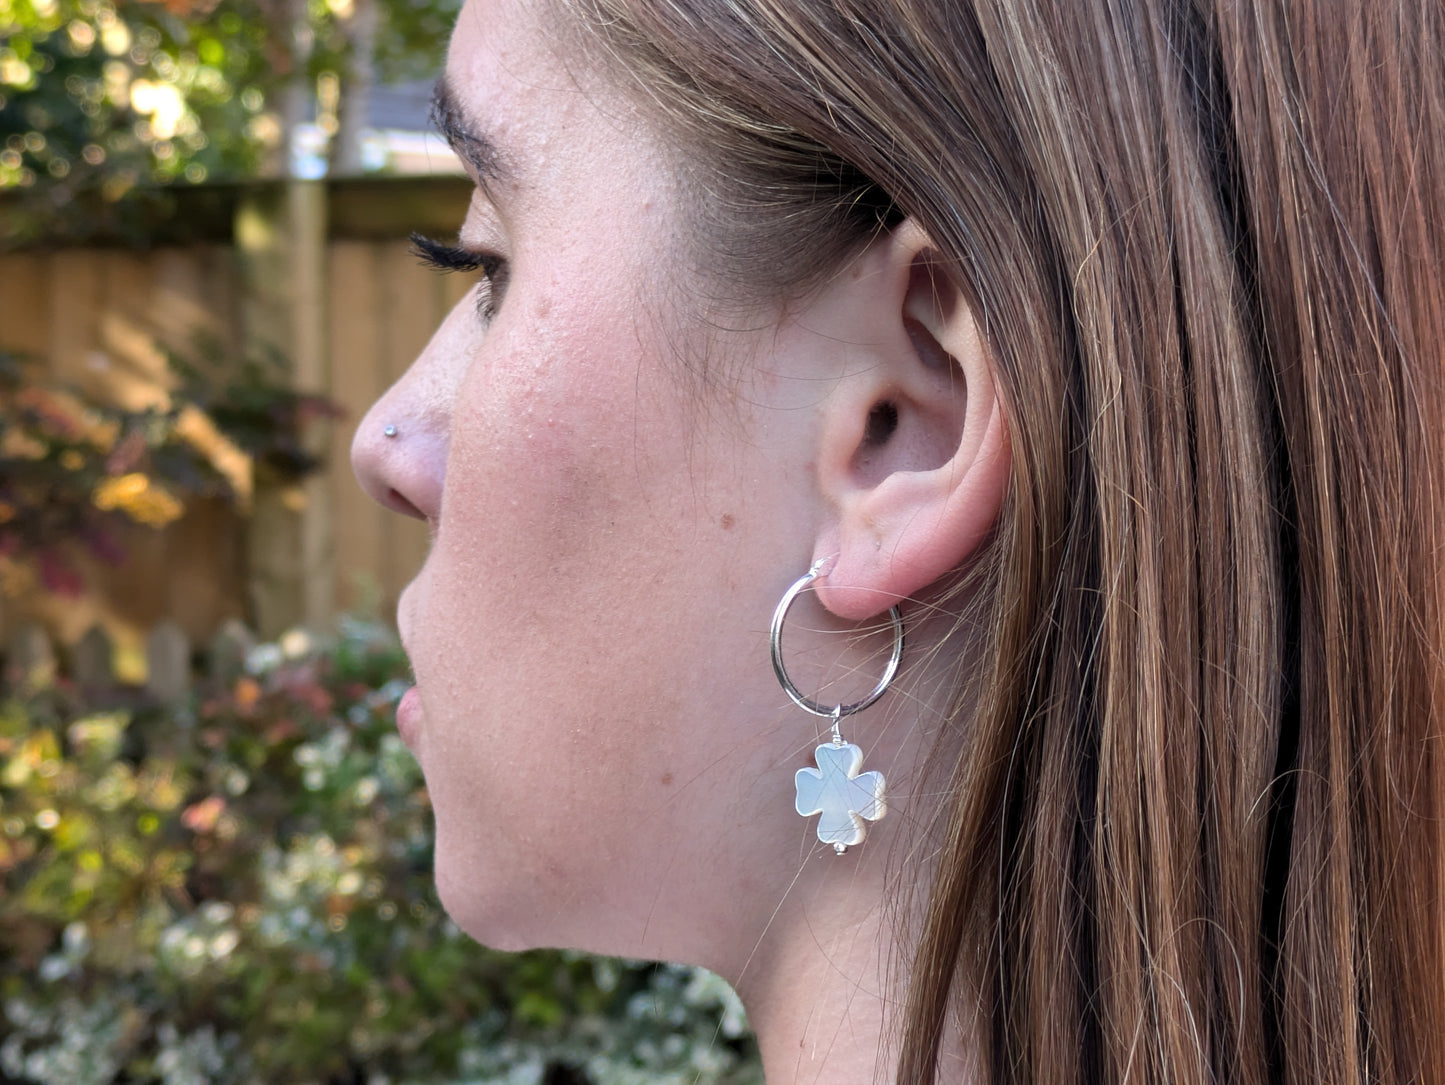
(836, 789)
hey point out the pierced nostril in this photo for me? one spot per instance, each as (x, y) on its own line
(397, 503)
(402, 474)
(882, 424)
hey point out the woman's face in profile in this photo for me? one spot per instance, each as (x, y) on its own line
(594, 711)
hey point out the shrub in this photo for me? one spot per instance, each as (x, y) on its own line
(238, 889)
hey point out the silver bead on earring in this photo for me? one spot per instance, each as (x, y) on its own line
(389, 431)
(836, 789)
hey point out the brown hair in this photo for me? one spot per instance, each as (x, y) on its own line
(1196, 834)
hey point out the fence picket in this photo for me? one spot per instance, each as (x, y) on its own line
(168, 662)
(33, 660)
(30, 660)
(93, 662)
(229, 648)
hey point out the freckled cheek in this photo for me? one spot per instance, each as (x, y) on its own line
(567, 460)
(540, 469)
(513, 525)
(539, 457)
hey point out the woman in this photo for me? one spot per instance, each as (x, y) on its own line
(1101, 339)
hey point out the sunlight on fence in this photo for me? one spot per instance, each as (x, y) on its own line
(351, 315)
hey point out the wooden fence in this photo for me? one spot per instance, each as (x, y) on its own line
(320, 270)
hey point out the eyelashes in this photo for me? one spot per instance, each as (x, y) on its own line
(441, 256)
(444, 257)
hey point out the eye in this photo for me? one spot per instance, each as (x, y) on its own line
(444, 257)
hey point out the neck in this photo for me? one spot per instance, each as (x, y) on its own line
(822, 985)
(826, 983)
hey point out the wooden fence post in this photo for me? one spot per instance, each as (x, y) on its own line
(280, 239)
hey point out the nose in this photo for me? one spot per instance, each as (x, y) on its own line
(399, 456)
(399, 453)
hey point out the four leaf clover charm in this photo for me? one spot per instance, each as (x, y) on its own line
(841, 794)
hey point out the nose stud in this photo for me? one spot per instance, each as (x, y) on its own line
(389, 431)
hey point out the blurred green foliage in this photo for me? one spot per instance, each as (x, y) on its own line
(97, 98)
(238, 889)
(106, 103)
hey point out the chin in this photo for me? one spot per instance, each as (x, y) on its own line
(513, 907)
(479, 910)
(510, 902)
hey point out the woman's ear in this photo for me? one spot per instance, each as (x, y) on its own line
(915, 459)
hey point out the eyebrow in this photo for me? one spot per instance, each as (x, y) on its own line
(463, 137)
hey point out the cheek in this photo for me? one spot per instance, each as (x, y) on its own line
(557, 568)
(544, 454)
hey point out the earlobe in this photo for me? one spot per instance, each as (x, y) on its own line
(915, 463)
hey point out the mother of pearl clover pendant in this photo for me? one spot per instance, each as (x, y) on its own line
(838, 791)
(845, 797)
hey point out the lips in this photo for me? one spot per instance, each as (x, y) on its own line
(409, 708)
(409, 716)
